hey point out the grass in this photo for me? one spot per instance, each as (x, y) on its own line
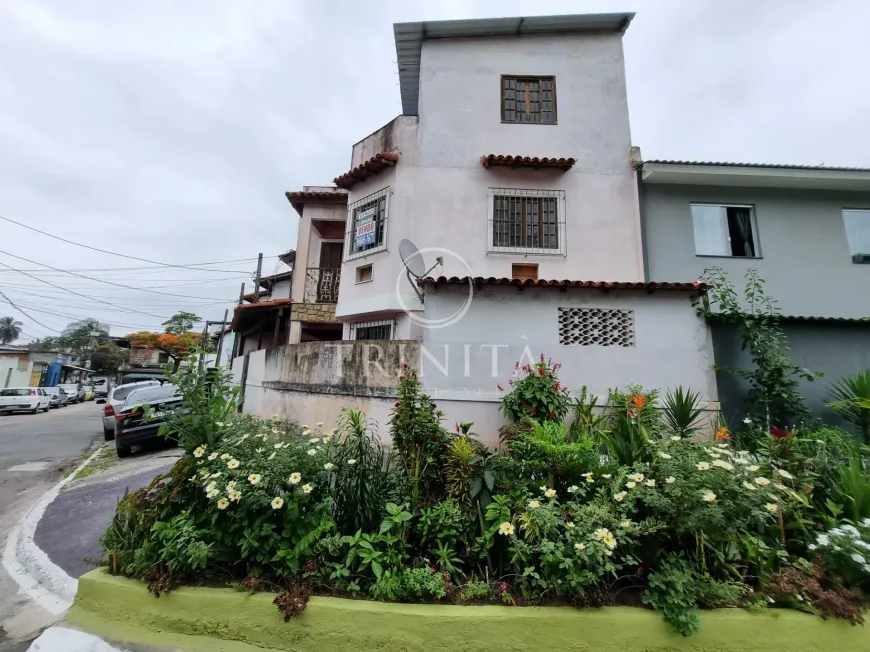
(105, 460)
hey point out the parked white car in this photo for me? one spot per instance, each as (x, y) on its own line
(114, 402)
(74, 391)
(24, 399)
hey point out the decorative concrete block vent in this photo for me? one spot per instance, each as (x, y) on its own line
(596, 327)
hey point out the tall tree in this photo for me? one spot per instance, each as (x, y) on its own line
(108, 356)
(181, 323)
(77, 333)
(175, 346)
(10, 330)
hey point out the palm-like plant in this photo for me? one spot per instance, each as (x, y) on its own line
(851, 400)
(681, 410)
(10, 329)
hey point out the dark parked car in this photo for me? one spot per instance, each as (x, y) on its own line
(131, 426)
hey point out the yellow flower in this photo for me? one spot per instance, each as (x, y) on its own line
(328, 466)
(277, 502)
(602, 533)
(212, 493)
(294, 478)
(534, 504)
(235, 495)
(326, 440)
(636, 477)
(741, 460)
(573, 489)
(650, 483)
(216, 474)
(579, 546)
(785, 474)
(703, 466)
(203, 473)
(722, 464)
(223, 503)
(272, 456)
(312, 452)
(550, 493)
(608, 552)
(506, 528)
(225, 456)
(676, 438)
(211, 485)
(609, 541)
(231, 485)
(664, 455)
(625, 524)
(671, 480)
(233, 464)
(306, 488)
(709, 497)
(198, 451)
(749, 486)
(314, 440)
(762, 482)
(277, 446)
(620, 496)
(254, 478)
(753, 468)
(771, 507)
(212, 457)
(570, 525)
(351, 462)
(631, 485)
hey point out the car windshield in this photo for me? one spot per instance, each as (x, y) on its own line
(123, 392)
(52, 390)
(98, 383)
(14, 392)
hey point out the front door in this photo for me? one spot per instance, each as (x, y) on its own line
(330, 268)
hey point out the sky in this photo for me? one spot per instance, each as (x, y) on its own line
(170, 130)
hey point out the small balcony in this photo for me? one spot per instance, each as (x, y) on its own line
(321, 284)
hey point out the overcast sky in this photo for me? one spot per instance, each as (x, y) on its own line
(170, 130)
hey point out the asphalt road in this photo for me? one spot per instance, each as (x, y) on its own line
(34, 449)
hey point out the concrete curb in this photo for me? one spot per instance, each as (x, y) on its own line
(38, 577)
(62, 639)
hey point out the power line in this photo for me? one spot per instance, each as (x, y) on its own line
(91, 278)
(112, 253)
(67, 315)
(157, 268)
(150, 314)
(11, 303)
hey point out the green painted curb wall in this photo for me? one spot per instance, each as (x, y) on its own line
(224, 620)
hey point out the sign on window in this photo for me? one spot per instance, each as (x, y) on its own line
(364, 234)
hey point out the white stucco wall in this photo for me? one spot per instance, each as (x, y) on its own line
(439, 191)
(16, 378)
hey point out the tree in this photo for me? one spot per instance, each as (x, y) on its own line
(108, 356)
(77, 334)
(181, 323)
(175, 346)
(10, 330)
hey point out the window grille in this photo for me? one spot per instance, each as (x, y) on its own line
(529, 100)
(596, 327)
(381, 329)
(367, 225)
(527, 221)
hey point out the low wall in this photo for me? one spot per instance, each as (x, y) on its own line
(206, 619)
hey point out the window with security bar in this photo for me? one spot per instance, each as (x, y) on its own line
(367, 225)
(528, 100)
(527, 221)
(372, 330)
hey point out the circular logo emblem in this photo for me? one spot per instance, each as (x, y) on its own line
(418, 316)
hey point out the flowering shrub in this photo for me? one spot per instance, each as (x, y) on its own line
(538, 395)
(846, 551)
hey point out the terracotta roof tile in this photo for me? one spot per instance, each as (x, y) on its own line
(248, 308)
(507, 160)
(299, 198)
(786, 166)
(376, 164)
(695, 286)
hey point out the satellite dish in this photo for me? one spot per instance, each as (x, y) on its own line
(414, 264)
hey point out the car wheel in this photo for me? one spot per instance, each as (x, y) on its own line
(47, 408)
(123, 451)
(35, 410)
(109, 434)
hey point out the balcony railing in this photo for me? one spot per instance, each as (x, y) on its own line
(321, 284)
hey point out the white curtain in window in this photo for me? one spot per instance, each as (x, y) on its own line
(858, 231)
(710, 224)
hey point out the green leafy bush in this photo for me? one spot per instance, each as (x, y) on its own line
(850, 398)
(538, 395)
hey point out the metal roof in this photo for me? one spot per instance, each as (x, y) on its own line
(410, 37)
(758, 165)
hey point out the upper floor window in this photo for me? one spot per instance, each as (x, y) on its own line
(724, 230)
(367, 225)
(858, 234)
(527, 221)
(529, 100)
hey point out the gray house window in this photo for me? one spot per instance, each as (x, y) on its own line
(724, 230)
(858, 234)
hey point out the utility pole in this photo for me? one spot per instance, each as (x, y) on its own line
(242, 294)
(217, 362)
(257, 280)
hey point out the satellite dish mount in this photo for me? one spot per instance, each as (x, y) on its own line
(415, 266)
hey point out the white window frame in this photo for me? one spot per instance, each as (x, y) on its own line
(560, 250)
(858, 257)
(753, 219)
(349, 254)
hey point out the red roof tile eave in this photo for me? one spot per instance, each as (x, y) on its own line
(509, 160)
(299, 198)
(695, 286)
(247, 308)
(375, 165)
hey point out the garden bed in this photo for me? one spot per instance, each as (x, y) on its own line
(225, 620)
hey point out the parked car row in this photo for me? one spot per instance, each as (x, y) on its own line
(123, 413)
(42, 399)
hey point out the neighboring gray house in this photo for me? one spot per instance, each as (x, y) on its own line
(805, 229)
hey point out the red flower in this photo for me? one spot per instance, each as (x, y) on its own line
(517, 364)
(523, 404)
(540, 371)
(500, 388)
(556, 385)
(511, 382)
(542, 357)
(779, 433)
(552, 414)
(433, 406)
(431, 569)
(396, 404)
(533, 411)
(504, 586)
